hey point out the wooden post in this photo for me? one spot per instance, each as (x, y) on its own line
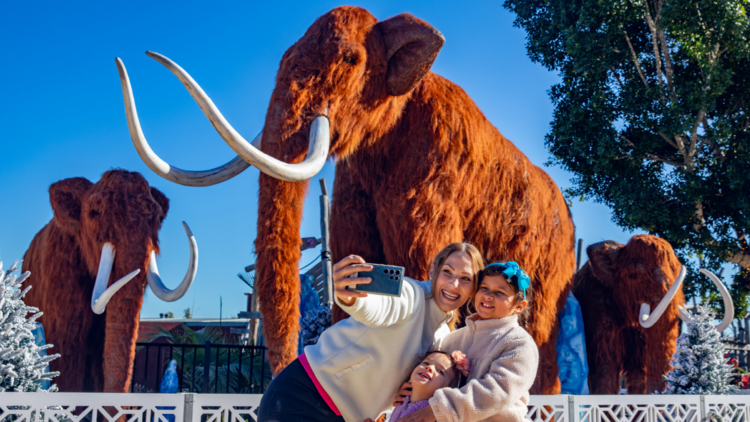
(251, 331)
(745, 342)
(578, 255)
(254, 307)
(325, 248)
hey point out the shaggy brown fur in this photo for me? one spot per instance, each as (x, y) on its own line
(611, 287)
(97, 350)
(419, 167)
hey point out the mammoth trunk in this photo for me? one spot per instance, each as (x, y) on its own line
(277, 275)
(121, 331)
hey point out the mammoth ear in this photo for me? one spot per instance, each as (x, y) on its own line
(602, 257)
(411, 46)
(65, 197)
(162, 200)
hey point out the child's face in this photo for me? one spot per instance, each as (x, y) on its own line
(433, 373)
(496, 298)
(455, 281)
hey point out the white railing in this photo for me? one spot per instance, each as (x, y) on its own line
(75, 407)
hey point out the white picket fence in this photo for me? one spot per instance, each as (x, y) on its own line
(104, 407)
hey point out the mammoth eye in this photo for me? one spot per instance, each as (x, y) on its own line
(95, 213)
(350, 60)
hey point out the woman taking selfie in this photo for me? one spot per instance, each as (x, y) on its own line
(357, 366)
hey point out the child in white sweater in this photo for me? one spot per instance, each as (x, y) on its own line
(503, 356)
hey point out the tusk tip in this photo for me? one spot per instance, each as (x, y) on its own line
(187, 229)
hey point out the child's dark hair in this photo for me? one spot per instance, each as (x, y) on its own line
(495, 270)
(459, 380)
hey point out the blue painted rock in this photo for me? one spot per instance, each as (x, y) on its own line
(169, 382)
(571, 350)
(38, 334)
(308, 301)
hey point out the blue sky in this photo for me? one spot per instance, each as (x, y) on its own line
(62, 113)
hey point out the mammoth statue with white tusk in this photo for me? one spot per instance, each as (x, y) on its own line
(99, 250)
(418, 166)
(617, 289)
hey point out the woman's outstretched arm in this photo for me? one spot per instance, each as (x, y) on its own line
(373, 310)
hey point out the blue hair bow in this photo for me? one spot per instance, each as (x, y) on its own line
(511, 269)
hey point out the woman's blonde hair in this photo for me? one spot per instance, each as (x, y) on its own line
(477, 264)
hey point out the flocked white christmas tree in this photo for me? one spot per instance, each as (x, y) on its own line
(699, 363)
(21, 366)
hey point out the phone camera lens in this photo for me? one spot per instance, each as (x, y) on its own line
(398, 272)
(385, 271)
(392, 271)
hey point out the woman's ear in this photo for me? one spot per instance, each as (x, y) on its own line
(432, 270)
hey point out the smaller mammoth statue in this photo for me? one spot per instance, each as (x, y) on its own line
(617, 288)
(98, 253)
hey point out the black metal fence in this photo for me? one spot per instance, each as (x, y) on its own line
(206, 368)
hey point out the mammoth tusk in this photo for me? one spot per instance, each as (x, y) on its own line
(317, 151)
(154, 281)
(728, 304)
(648, 319)
(183, 177)
(685, 315)
(102, 294)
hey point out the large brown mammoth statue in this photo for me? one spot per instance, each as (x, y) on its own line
(98, 253)
(617, 289)
(418, 167)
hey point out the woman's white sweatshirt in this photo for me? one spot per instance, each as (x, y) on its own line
(362, 361)
(504, 359)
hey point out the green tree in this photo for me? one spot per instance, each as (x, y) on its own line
(651, 117)
(188, 313)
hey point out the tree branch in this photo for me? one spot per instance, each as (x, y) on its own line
(668, 64)
(657, 56)
(740, 258)
(669, 141)
(694, 136)
(621, 136)
(635, 58)
(617, 77)
(654, 157)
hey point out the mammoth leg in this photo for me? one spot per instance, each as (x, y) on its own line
(635, 361)
(547, 381)
(604, 348)
(353, 228)
(277, 246)
(660, 346)
(62, 291)
(121, 332)
(93, 376)
(551, 290)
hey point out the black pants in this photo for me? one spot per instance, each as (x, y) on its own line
(292, 397)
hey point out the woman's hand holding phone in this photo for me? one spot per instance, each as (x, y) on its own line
(342, 272)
